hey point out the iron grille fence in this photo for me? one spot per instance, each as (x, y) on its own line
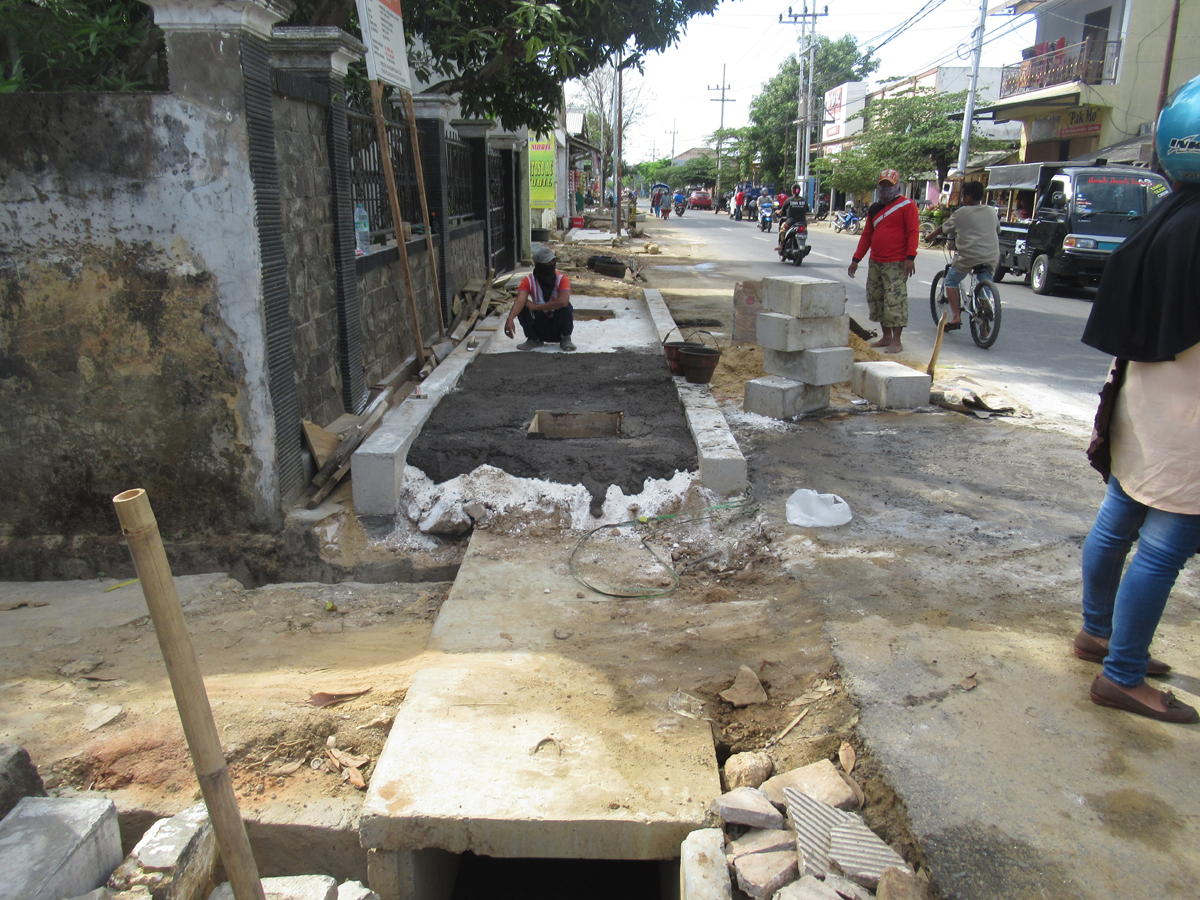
(496, 209)
(458, 176)
(1091, 62)
(367, 184)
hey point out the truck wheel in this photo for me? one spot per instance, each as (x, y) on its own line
(1041, 279)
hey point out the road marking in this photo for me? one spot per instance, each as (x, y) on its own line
(759, 238)
(724, 228)
(929, 283)
(827, 256)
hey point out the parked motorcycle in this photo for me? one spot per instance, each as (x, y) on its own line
(764, 220)
(847, 221)
(794, 246)
(822, 212)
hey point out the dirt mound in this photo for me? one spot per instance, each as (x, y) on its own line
(737, 366)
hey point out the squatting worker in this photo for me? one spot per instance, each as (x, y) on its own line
(1147, 316)
(543, 305)
(975, 229)
(891, 235)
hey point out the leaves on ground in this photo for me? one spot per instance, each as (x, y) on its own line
(321, 699)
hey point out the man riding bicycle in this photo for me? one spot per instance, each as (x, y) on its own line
(975, 229)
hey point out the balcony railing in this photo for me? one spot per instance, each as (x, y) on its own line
(1090, 62)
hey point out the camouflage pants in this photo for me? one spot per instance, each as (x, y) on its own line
(887, 294)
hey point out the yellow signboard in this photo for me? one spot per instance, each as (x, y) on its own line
(541, 172)
(1082, 122)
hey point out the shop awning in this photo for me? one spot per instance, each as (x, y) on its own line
(1023, 177)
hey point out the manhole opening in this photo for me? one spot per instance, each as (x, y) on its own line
(559, 426)
(553, 879)
(592, 315)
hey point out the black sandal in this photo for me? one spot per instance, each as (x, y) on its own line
(953, 326)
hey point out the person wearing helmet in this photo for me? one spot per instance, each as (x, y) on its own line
(543, 305)
(1147, 430)
(891, 236)
(793, 211)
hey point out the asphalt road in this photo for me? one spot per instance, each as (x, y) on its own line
(1038, 359)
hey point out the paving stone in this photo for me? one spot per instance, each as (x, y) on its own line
(761, 874)
(803, 297)
(827, 365)
(813, 821)
(292, 887)
(748, 769)
(808, 888)
(761, 840)
(890, 384)
(860, 854)
(746, 689)
(846, 888)
(703, 874)
(18, 778)
(748, 806)
(52, 847)
(901, 884)
(820, 780)
(776, 331)
(782, 398)
(355, 890)
(174, 860)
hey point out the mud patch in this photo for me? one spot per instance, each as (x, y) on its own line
(977, 861)
(1138, 816)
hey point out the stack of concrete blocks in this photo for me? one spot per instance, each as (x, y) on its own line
(803, 331)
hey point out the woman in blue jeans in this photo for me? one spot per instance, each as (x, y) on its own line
(1147, 440)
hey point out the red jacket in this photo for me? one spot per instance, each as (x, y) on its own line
(891, 234)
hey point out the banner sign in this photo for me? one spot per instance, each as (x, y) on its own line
(1082, 122)
(541, 172)
(383, 33)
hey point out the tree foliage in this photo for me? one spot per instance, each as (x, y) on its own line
(594, 93)
(699, 171)
(773, 112)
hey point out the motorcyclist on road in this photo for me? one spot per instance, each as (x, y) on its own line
(794, 211)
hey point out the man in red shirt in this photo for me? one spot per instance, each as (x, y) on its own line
(891, 235)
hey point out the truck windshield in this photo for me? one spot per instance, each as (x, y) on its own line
(1131, 196)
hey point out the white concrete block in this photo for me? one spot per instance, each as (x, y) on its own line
(52, 847)
(804, 297)
(891, 384)
(827, 365)
(175, 859)
(703, 874)
(291, 887)
(779, 332)
(722, 464)
(355, 890)
(782, 398)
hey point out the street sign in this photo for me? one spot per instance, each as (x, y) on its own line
(383, 33)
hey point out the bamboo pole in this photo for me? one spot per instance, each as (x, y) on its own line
(389, 178)
(410, 112)
(150, 560)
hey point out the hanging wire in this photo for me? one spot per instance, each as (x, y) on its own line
(645, 521)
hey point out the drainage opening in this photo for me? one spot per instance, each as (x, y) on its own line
(554, 879)
(558, 426)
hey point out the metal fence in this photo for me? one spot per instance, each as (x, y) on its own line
(458, 176)
(367, 185)
(497, 208)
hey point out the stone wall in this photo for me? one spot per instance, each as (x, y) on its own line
(466, 256)
(306, 204)
(387, 326)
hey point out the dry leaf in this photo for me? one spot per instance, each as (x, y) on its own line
(969, 683)
(345, 759)
(321, 700)
(847, 756)
(356, 778)
(380, 722)
(506, 635)
(285, 768)
(99, 677)
(859, 795)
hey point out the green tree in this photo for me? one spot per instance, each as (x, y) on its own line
(855, 170)
(773, 111)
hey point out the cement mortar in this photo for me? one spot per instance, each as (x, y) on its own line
(486, 419)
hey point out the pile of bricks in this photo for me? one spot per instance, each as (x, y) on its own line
(803, 331)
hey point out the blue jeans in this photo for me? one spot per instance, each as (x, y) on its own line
(1127, 610)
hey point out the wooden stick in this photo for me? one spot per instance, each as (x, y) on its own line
(327, 488)
(937, 345)
(411, 112)
(150, 560)
(389, 177)
(792, 724)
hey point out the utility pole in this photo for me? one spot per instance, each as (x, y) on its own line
(672, 133)
(804, 99)
(617, 156)
(722, 87)
(964, 144)
(616, 126)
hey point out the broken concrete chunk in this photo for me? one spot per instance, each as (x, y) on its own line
(761, 874)
(446, 517)
(292, 887)
(55, 847)
(813, 821)
(175, 860)
(820, 780)
(902, 884)
(703, 874)
(846, 888)
(808, 888)
(860, 854)
(748, 769)
(97, 715)
(83, 666)
(748, 806)
(355, 890)
(746, 689)
(18, 778)
(761, 841)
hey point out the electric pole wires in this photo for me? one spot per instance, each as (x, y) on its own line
(722, 87)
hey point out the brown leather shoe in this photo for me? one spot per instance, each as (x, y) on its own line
(1093, 650)
(1105, 693)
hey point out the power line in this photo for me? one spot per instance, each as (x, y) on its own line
(722, 87)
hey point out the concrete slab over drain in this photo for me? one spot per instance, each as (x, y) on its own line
(556, 425)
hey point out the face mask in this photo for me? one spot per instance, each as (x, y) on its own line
(888, 192)
(543, 271)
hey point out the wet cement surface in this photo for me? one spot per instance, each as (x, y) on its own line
(486, 421)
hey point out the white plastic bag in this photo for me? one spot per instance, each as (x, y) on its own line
(812, 510)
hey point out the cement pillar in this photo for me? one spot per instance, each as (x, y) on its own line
(319, 58)
(217, 59)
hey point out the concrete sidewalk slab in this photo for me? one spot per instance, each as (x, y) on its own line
(54, 847)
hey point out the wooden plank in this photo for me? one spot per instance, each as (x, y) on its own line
(350, 443)
(343, 424)
(324, 490)
(322, 443)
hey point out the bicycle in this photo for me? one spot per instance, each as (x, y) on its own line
(980, 305)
